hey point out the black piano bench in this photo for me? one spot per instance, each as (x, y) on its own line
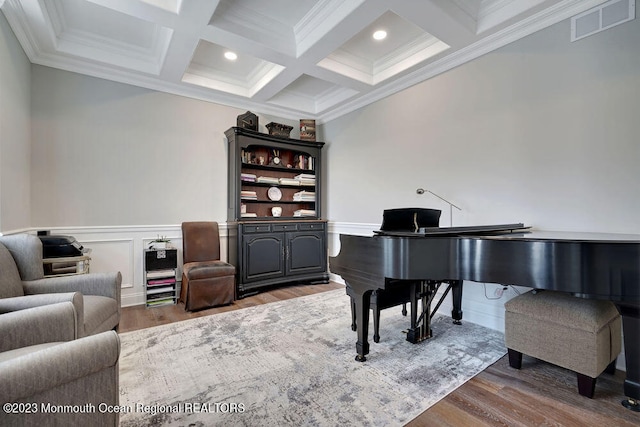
(578, 334)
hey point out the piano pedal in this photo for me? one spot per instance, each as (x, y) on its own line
(631, 404)
(414, 336)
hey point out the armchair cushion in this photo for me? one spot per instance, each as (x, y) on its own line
(208, 269)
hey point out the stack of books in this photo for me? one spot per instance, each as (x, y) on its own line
(304, 212)
(306, 179)
(248, 215)
(248, 195)
(304, 196)
(161, 287)
(247, 177)
(268, 180)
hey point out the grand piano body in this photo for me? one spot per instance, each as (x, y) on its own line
(588, 265)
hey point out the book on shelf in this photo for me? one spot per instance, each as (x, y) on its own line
(248, 215)
(304, 212)
(248, 195)
(306, 179)
(302, 161)
(160, 301)
(248, 177)
(159, 289)
(157, 274)
(267, 180)
(163, 281)
(306, 176)
(304, 196)
(163, 295)
(288, 181)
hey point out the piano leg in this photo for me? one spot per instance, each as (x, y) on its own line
(354, 326)
(361, 303)
(456, 296)
(631, 329)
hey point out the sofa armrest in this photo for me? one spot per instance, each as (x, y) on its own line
(102, 284)
(30, 301)
(38, 325)
(58, 365)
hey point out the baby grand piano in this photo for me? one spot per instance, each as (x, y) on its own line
(588, 265)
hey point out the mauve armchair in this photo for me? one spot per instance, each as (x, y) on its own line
(95, 296)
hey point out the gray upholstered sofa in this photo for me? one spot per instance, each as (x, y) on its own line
(50, 378)
(95, 296)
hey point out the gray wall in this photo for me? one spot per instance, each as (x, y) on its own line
(15, 149)
(110, 154)
(542, 131)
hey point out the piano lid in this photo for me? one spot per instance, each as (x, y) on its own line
(478, 230)
(517, 231)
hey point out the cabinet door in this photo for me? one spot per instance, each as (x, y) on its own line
(262, 256)
(306, 252)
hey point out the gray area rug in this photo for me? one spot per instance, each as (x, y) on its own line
(292, 363)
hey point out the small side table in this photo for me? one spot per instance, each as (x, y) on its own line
(66, 266)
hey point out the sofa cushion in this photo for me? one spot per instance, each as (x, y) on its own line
(10, 283)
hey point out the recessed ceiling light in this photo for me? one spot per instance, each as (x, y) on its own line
(380, 35)
(231, 56)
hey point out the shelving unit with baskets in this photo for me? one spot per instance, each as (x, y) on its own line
(160, 267)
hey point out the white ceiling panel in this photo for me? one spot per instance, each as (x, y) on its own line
(311, 59)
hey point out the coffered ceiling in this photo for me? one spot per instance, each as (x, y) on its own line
(295, 58)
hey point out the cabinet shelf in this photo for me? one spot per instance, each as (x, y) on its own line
(266, 184)
(255, 166)
(280, 202)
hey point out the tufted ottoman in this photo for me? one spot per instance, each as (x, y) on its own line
(578, 334)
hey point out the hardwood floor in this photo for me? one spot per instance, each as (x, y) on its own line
(539, 394)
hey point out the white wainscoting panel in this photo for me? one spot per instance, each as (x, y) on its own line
(112, 255)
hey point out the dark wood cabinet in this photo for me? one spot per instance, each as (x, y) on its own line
(287, 244)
